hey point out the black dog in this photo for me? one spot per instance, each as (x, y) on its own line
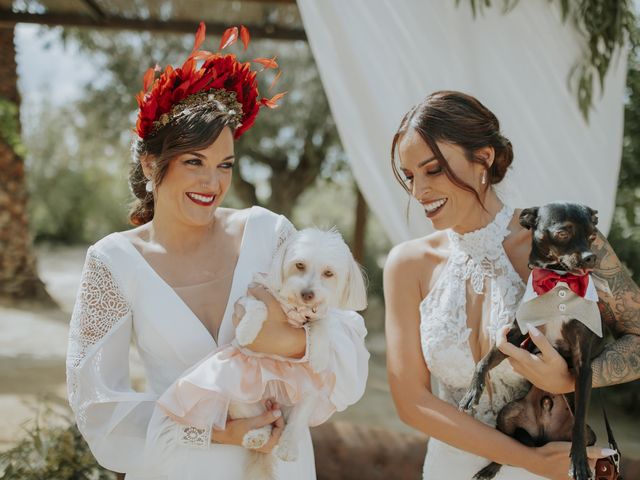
(561, 242)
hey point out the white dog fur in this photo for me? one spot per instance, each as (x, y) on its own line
(311, 272)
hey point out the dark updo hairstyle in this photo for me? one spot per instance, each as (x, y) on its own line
(459, 119)
(191, 130)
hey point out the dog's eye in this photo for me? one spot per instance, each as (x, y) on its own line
(328, 273)
(562, 235)
(300, 266)
(592, 237)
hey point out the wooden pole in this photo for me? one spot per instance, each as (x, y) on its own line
(362, 213)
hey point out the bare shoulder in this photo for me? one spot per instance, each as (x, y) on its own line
(414, 262)
(517, 246)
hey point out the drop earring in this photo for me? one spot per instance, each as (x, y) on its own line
(149, 186)
(484, 178)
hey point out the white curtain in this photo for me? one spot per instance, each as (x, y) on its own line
(379, 57)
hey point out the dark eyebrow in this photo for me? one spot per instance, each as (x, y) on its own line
(202, 157)
(424, 162)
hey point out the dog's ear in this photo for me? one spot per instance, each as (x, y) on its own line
(529, 217)
(594, 215)
(354, 296)
(276, 270)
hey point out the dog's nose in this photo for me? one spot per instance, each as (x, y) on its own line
(589, 259)
(307, 295)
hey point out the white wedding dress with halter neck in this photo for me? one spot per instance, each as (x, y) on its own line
(477, 264)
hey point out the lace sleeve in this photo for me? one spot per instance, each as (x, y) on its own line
(114, 419)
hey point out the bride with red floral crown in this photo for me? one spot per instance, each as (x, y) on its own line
(171, 283)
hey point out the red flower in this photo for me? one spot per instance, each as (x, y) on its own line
(216, 72)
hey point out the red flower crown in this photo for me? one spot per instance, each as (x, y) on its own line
(220, 78)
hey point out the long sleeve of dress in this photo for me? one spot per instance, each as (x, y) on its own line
(114, 418)
(349, 358)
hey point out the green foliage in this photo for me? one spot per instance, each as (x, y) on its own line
(625, 230)
(51, 451)
(605, 26)
(10, 126)
(290, 147)
(76, 194)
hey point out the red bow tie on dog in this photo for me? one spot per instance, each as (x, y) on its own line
(545, 280)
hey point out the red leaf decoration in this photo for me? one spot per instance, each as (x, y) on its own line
(244, 36)
(229, 37)
(199, 37)
(266, 62)
(216, 71)
(148, 79)
(275, 80)
(201, 55)
(271, 102)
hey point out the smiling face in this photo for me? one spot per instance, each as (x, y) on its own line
(446, 204)
(196, 183)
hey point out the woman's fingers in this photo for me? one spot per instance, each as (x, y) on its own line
(596, 452)
(270, 416)
(545, 347)
(276, 433)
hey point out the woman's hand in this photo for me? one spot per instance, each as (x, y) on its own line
(277, 336)
(235, 430)
(547, 370)
(552, 460)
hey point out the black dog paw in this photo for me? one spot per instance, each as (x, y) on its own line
(488, 472)
(470, 399)
(581, 471)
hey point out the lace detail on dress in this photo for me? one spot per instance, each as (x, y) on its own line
(479, 258)
(194, 437)
(99, 307)
(478, 251)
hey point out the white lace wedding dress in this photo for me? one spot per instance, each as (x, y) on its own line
(121, 298)
(479, 258)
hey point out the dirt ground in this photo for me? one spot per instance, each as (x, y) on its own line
(33, 343)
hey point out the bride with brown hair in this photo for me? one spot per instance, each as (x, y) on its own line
(170, 285)
(448, 296)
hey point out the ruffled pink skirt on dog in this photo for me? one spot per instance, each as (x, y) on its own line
(231, 373)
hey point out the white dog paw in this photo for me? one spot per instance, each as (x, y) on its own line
(287, 449)
(256, 438)
(251, 324)
(318, 359)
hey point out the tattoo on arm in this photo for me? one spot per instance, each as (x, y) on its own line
(620, 310)
(618, 363)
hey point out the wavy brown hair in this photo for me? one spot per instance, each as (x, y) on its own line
(460, 119)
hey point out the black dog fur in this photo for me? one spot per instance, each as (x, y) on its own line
(562, 234)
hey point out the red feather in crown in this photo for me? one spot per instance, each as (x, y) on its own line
(217, 72)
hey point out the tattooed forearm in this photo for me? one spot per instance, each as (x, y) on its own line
(621, 308)
(618, 363)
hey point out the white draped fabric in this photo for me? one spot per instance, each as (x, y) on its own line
(379, 57)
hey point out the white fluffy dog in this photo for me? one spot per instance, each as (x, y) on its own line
(311, 272)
